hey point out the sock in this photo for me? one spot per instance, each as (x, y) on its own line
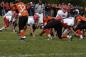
(22, 33)
(49, 36)
(2, 28)
(81, 37)
(78, 32)
(65, 31)
(69, 37)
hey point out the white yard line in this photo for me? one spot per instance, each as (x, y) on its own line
(8, 40)
(50, 54)
(19, 40)
(15, 40)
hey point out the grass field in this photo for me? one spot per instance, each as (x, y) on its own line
(11, 46)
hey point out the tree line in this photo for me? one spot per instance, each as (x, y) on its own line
(74, 2)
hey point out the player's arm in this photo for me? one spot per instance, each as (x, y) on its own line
(83, 19)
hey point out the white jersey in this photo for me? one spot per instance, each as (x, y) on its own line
(30, 20)
(69, 21)
(39, 8)
(9, 15)
(62, 14)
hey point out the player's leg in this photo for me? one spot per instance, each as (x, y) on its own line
(31, 25)
(40, 21)
(22, 26)
(58, 29)
(14, 24)
(56, 25)
(6, 24)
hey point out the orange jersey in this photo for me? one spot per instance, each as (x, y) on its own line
(81, 18)
(21, 9)
(47, 19)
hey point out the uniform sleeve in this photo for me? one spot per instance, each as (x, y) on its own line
(43, 7)
(36, 7)
(9, 13)
(58, 13)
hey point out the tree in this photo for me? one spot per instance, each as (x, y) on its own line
(74, 2)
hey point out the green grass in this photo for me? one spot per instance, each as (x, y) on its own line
(11, 46)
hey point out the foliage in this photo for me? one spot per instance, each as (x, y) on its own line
(74, 2)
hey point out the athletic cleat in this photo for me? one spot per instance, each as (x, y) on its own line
(81, 37)
(23, 37)
(69, 37)
(49, 36)
(0, 30)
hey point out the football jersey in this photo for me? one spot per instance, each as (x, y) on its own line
(8, 15)
(21, 9)
(47, 19)
(62, 14)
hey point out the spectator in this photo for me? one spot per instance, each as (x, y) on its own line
(0, 10)
(47, 9)
(3, 8)
(23, 18)
(31, 21)
(39, 10)
(7, 7)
